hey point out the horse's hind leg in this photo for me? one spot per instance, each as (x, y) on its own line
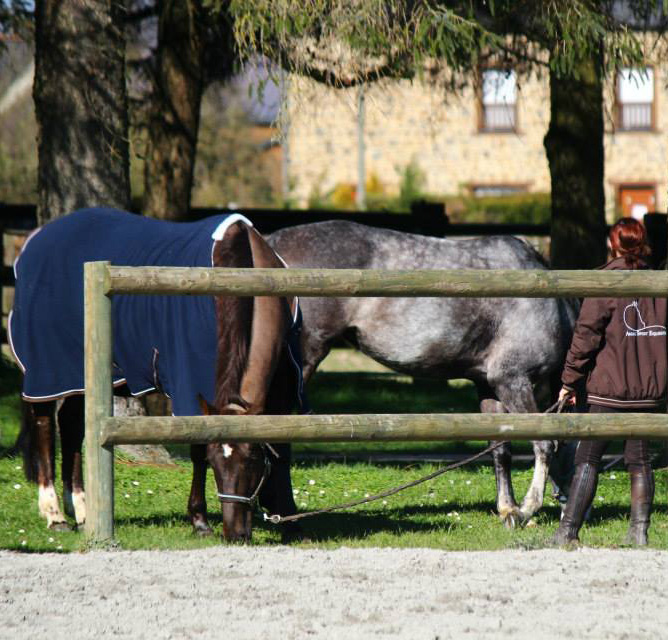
(71, 425)
(41, 423)
(197, 500)
(506, 505)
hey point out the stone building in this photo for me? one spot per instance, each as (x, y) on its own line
(482, 141)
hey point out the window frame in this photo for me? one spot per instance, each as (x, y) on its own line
(482, 128)
(516, 188)
(619, 105)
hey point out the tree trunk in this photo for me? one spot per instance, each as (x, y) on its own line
(174, 117)
(81, 106)
(574, 145)
(82, 118)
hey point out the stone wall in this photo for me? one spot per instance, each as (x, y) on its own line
(411, 122)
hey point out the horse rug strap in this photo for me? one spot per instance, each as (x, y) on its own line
(46, 327)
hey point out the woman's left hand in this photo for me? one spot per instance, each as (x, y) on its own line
(567, 396)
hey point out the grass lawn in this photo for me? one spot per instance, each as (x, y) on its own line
(455, 511)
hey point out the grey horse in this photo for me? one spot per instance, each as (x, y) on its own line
(511, 348)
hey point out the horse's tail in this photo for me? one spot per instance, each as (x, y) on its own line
(26, 442)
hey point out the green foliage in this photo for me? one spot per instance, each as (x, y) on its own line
(531, 208)
(18, 172)
(18, 134)
(528, 208)
(411, 187)
(345, 41)
(344, 196)
(234, 159)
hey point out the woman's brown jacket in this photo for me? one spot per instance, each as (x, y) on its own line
(619, 348)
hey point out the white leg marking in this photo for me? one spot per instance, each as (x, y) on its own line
(79, 500)
(534, 496)
(48, 505)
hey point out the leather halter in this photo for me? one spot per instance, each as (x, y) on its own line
(254, 497)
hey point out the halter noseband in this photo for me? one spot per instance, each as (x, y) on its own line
(254, 497)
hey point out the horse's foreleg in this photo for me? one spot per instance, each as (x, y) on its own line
(42, 419)
(197, 500)
(71, 425)
(533, 500)
(506, 505)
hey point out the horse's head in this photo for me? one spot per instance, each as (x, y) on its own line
(241, 471)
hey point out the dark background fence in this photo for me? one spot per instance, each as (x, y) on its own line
(427, 218)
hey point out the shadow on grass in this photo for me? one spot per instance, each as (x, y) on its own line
(166, 520)
(357, 525)
(359, 392)
(17, 548)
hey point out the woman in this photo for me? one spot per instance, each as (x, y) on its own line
(619, 348)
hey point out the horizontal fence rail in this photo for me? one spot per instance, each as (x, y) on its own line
(472, 283)
(381, 427)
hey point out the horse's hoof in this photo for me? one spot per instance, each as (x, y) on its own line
(566, 544)
(526, 518)
(511, 518)
(60, 527)
(202, 530)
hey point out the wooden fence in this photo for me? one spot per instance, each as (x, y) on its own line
(103, 431)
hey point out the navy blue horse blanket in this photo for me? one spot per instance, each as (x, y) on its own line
(165, 342)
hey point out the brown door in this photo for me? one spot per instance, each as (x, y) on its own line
(637, 199)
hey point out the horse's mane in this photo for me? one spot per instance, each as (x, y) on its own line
(234, 316)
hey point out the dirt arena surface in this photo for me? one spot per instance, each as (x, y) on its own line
(279, 592)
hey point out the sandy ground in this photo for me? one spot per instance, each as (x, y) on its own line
(278, 592)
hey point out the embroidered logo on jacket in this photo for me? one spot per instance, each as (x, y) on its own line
(635, 324)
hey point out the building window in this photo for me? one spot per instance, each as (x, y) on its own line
(635, 99)
(498, 101)
(635, 200)
(496, 190)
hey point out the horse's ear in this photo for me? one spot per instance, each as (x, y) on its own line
(207, 409)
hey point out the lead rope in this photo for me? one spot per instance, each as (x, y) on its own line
(275, 518)
(278, 519)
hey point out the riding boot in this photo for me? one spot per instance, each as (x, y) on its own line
(642, 496)
(580, 497)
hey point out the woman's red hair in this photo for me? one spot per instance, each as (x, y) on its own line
(628, 238)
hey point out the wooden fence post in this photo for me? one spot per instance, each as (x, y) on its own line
(99, 402)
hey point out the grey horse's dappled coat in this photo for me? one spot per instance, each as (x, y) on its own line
(507, 346)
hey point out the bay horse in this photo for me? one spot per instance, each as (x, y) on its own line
(228, 355)
(509, 347)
